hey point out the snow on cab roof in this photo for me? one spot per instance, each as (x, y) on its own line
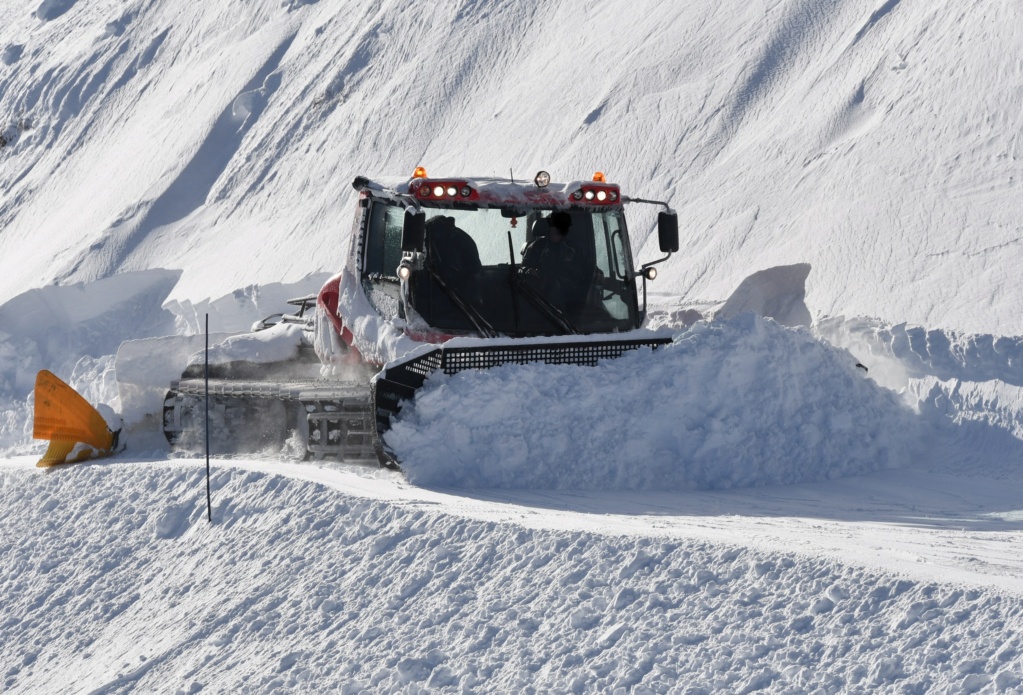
(488, 190)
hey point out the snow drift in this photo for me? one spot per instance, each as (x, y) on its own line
(732, 403)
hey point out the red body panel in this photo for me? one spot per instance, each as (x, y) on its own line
(328, 299)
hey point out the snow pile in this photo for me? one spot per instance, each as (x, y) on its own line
(776, 293)
(278, 343)
(118, 341)
(734, 403)
(113, 581)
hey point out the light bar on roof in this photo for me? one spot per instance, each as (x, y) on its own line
(447, 190)
(606, 194)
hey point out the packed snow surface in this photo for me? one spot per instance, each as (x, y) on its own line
(730, 403)
(334, 581)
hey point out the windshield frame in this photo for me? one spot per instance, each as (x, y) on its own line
(518, 319)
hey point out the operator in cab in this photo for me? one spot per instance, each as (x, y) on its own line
(551, 265)
(455, 257)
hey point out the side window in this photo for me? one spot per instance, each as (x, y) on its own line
(618, 260)
(383, 242)
(611, 259)
(600, 240)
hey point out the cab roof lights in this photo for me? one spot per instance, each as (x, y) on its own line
(598, 177)
(419, 173)
(444, 190)
(600, 195)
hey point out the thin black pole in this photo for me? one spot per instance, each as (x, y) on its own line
(206, 376)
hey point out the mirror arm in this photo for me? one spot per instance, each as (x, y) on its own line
(627, 199)
(651, 263)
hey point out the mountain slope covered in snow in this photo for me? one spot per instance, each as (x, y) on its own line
(877, 140)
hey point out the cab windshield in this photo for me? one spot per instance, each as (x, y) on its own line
(538, 273)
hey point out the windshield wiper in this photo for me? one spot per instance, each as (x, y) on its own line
(481, 324)
(544, 306)
(539, 302)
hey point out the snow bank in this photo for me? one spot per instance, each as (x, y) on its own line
(240, 309)
(53, 327)
(73, 331)
(118, 341)
(113, 581)
(740, 402)
(903, 352)
(971, 384)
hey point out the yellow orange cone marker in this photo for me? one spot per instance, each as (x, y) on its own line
(76, 430)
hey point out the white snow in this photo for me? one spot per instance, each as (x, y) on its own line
(160, 161)
(877, 141)
(383, 340)
(732, 403)
(113, 420)
(335, 581)
(776, 293)
(275, 344)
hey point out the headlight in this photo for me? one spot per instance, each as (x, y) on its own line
(589, 195)
(438, 191)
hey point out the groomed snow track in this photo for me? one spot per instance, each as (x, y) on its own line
(342, 579)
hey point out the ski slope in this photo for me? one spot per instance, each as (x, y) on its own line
(877, 140)
(339, 579)
(161, 161)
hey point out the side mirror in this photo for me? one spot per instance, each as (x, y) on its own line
(413, 232)
(667, 231)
